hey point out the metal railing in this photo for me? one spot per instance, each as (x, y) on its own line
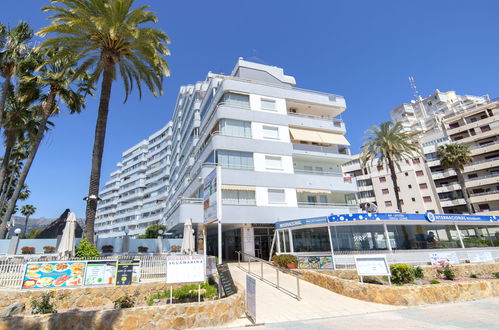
(277, 268)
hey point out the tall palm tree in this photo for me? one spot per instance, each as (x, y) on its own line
(110, 38)
(27, 210)
(388, 144)
(13, 50)
(57, 76)
(455, 156)
(18, 155)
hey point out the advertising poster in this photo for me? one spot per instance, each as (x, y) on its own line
(53, 274)
(185, 269)
(480, 256)
(226, 281)
(372, 265)
(127, 272)
(313, 262)
(210, 197)
(251, 298)
(101, 272)
(444, 257)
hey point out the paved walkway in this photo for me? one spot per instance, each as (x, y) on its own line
(273, 305)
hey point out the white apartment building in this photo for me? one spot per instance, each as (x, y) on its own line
(281, 149)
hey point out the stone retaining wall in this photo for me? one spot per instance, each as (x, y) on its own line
(408, 295)
(176, 316)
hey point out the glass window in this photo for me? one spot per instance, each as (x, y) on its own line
(358, 238)
(239, 100)
(273, 162)
(270, 132)
(238, 197)
(277, 196)
(478, 236)
(284, 240)
(235, 128)
(268, 104)
(311, 240)
(408, 237)
(235, 159)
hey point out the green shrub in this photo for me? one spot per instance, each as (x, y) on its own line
(285, 259)
(496, 274)
(473, 276)
(418, 272)
(434, 282)
(124, 302)
(447, 272)
(44, 305)
(86, 250)
(402, 273)
(189, 291)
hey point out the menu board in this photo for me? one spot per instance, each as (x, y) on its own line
(372, 265)
(480, 256)
(53, 274)
(444, 257)
(226, 279)
(185, 269)
(311, 262)
(127, 272)
(100, 272)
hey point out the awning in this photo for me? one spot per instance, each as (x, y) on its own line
(313, 191)
(305, 135)
(332, 138)
(235, 187)
(318, 137)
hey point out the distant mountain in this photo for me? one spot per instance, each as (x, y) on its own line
(37, 223)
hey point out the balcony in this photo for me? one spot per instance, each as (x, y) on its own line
(488, 196)
(485, 148)
(449, 187)
(452, 202)
(443, 174)
(475, 124)
(310, 149)
(483, 180)
(324, 205)
(482, 164)
(305, 120)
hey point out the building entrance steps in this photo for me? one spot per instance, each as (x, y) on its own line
(273, 305)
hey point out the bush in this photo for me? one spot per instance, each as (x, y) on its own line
(27, 250)
(49, 249)
(402, 273)
(44, 305)
(284, 259)
(86, 250)
(496, 274)
(152, 231)
(124, 302)
(189, 291)
(107, 248)
(175, 248)
(143, 249)
(473, 276)
(447, 272)
(418, 272)
(434, 282)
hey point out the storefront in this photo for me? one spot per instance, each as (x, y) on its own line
(353, 233)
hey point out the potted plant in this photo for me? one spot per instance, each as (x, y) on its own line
(107, 249)
(143, 249)
(27, 250)
(175, 248)
(286, 260)
(48, 249)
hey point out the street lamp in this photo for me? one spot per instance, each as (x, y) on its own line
(17, 231)
(160, 232)
(126, 231)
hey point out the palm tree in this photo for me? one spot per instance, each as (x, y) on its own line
(18, 155)
(110, 38)
(57, 76)
(389, 144)
(27, 210)
(13, 51)
(455, 156)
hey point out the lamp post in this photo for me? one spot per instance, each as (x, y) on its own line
(14, 242)
(17, 231)
(160, 240)
(126, 245)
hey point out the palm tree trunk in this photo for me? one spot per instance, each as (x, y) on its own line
(6, 188)
(9, 144)
(3, 98)
(32, 153)
(25, 226)
(460, 178)
(393, 175)
(100, 135)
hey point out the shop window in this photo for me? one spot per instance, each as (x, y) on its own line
(423, 186)
(311, 240)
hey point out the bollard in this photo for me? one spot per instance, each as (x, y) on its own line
(298, 287)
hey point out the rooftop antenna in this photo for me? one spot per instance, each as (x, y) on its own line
(414, 88)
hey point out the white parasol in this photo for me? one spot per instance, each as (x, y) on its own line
(67, 243)
(188, 240)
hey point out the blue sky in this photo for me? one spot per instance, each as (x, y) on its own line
(363, 50)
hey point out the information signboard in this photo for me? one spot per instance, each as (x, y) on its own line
(127, 271)
(185, 269)
(480, 256)
(53, 274)
(315, 262)
(372, 265)
(444, 257)
(226, 279)
(251, 298)
(210, 187)
(100, 272)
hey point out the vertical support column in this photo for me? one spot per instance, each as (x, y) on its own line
(387, 238)
(291, 245)
(331, 245)
(248, 239)
(159, 243)
(219, 211)
(14, 243)
(125, 244)
(459, 236)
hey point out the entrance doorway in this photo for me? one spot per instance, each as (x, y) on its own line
(263, 241)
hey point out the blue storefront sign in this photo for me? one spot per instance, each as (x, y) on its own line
(300, 222)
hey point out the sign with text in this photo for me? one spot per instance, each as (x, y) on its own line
(444, 257)
(251, 298)
(100, 272)
(315, 262)
(226, 279)
(210, 187)
(185, 269)
(372, 265)
(480, 256)
(53, 274)
(127, 272)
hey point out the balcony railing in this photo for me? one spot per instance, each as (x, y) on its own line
(300, 171)
(323, 205)
(482, 161)
(314, 148)
(483, 177)
(336, 122)
(227, 201)
(483, 145)
(495, 191)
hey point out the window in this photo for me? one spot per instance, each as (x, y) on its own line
(419, 173)
(380, 167)
(270, 132)
(484, 207)
(423, 186)
(382, 179)
(406, 174)
(388, 203)
(235, 159)
(413, 199)
(485, 128)
(277, 196)
(409, 186)
(385, 191)
(238, 197)
(273, 162)
(401, 202)
(235, 128)
(426, 199)
(416, 161)
(268, 104)
(238, 100)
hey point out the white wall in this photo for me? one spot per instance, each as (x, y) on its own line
(255, 104)
(259, 163)
(262, 198)
(257, 132)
